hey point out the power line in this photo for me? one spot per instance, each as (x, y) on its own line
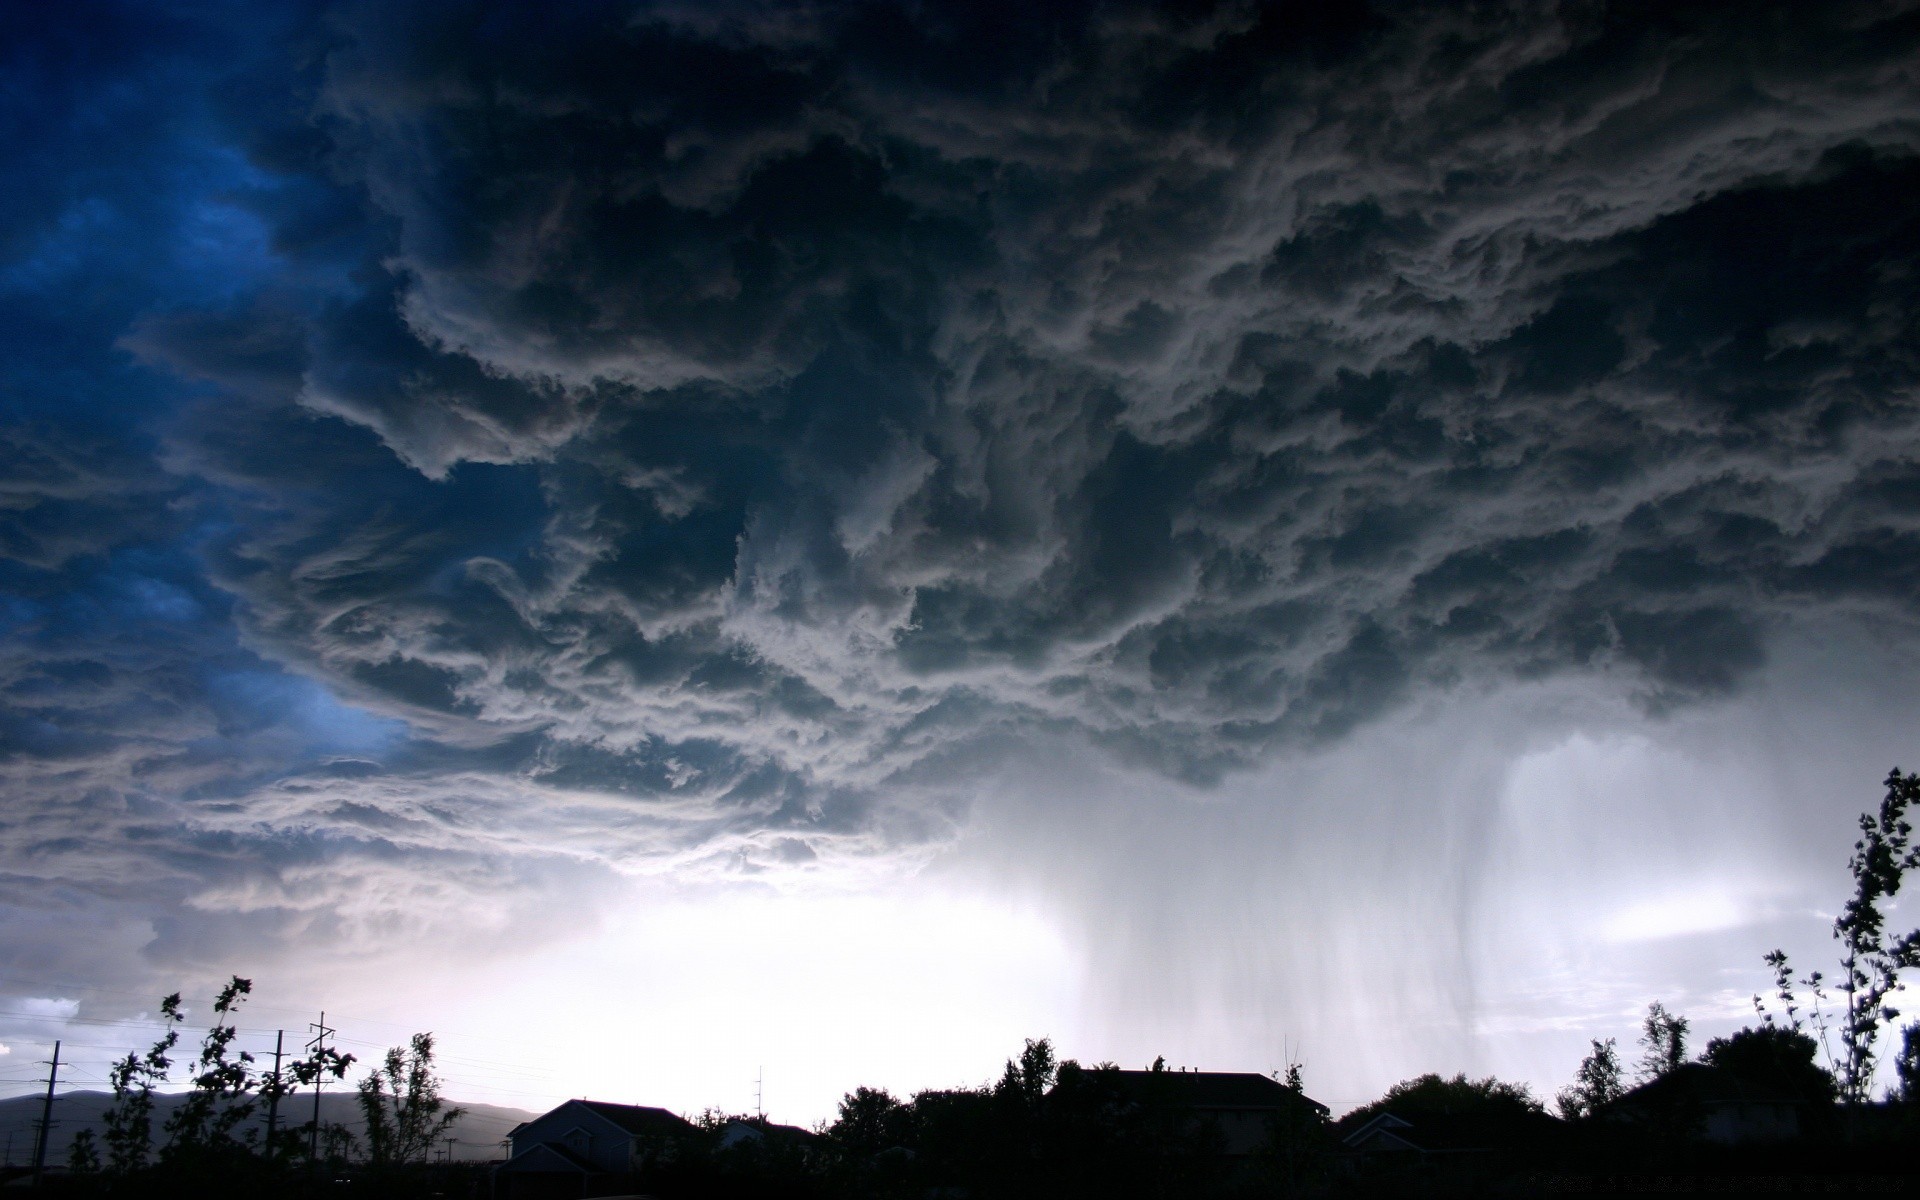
(491, 1073)
(262, 1031)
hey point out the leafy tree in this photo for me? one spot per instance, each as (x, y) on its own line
(400, 1100)
(83, 1155)
(1297, 1141)
(1664, 1039)
(1458, 1096)
(128, 1121)
(210, 1132)
(1597, 1083)
(322, 1064)
(1028, 1078)
(1775, 1058)
(871, 1120)
(204, 1125)
(1870, 960)
(1907, 1067)
(957, 1134)
(1786, 991)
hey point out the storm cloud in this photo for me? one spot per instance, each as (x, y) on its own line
(448, 442)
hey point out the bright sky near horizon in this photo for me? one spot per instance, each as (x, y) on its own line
(690, 548)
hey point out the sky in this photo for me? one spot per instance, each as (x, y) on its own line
(714, 553)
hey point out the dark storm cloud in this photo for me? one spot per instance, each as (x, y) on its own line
(710, 429)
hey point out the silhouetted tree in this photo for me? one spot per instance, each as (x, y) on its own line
(128, 1121)
(1299, 1142)
(1028, 1078)
(1493, 1122)
(1017, 1101)
(209, 1134)
(744, 1156)
(956, 1135)
(1663, 1038)
(400, 1100)
(83, 1154)
(1775, 1058)
(203, 1128)
(1870, 961)
(1907, 1067)
(1491, 1099)
(332, 1142)
(870, 1120)
(1597, 1083)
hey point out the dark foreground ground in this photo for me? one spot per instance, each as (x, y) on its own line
(1577, 1166)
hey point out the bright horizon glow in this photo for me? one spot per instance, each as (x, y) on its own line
(682, 995)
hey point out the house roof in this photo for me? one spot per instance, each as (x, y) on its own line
(1380, 1122)
(742, 1129)
(547, 1158)
(636, 1118)
(773, 1128)
(1212, 1089)
(1435, 1132)
(1383, 1132)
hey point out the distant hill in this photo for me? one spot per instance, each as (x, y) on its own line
(479, 1132)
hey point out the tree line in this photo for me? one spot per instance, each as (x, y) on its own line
(1057, 1128)
(1818, 1038)
(228, 1125)
(1054, 1129)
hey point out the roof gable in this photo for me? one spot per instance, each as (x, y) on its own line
(613, 1120)
(1446, 1132)
(1213, 1089)
(738, 1128)
(1379, 1123)
(547, 1158)
(1379, 1140)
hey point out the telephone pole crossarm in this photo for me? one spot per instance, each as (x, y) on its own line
(317, 1052)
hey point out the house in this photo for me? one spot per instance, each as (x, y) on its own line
(1383, 1133)
(758, 1133)
(1455, 1127)
(1247, 1108)
(588, 1148)
(1418, 1136)
(1713, 1104)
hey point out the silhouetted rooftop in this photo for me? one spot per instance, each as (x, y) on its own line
(1436, 1132)
(1211, 1089)
(743, 1128)
(547, 1157)
(638, 1118)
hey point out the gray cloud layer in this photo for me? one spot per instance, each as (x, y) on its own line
(714, 433)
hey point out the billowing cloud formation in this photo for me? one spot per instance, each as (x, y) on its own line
(686, 434)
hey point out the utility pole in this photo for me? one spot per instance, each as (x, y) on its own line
(319, 1043)
(273, 1097)
(759, 1094)
(46, 1118)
